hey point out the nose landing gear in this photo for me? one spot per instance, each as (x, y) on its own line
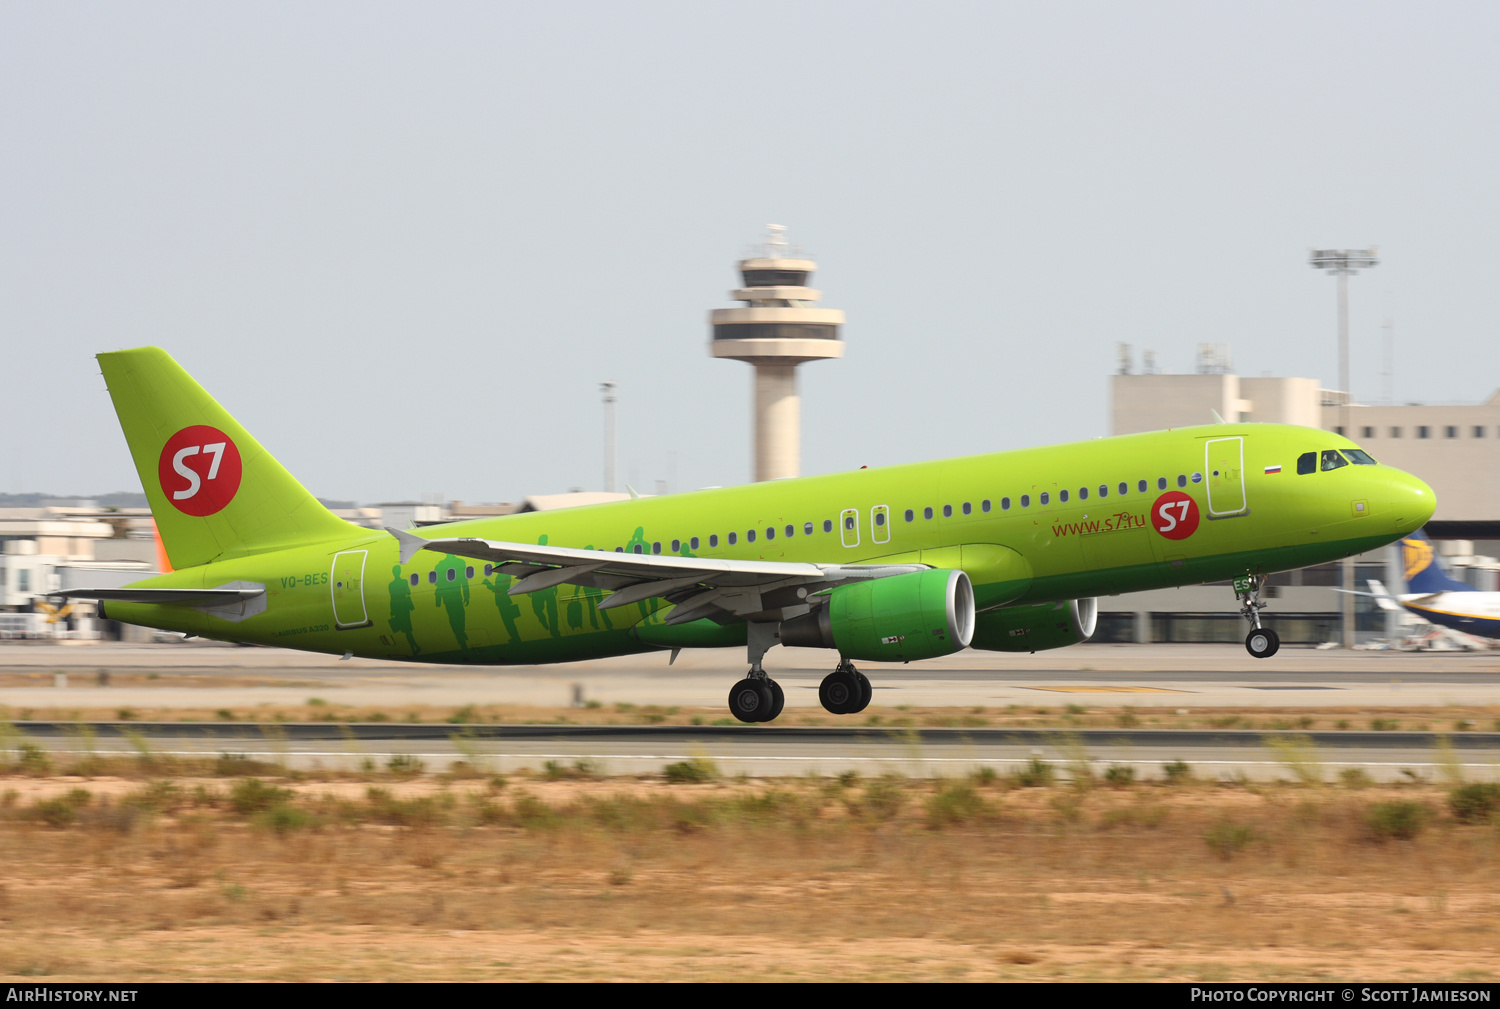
(846, 690)
(1261, 642)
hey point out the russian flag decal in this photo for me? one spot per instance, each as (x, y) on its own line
(1272, 469)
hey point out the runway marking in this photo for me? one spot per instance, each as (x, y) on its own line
(1296, 688)
(1110, 690)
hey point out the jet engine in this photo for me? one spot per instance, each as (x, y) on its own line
(1037, 627)
(913, 616)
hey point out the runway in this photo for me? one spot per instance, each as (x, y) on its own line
(211, 675)
(771, 751)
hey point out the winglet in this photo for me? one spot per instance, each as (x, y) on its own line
(1217, 418)
(633, 494)
(410, 544)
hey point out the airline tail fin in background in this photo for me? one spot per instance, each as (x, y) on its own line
(214, 491)
(1423, 570)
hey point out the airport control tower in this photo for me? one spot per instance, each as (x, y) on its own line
(777, 330)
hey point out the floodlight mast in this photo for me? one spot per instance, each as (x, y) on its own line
(1344, 263)
(608, 391)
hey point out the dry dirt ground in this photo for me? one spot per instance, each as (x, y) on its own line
(140, 877)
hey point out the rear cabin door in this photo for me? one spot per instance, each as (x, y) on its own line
(348, 585)
(880, 524)
(1224, 459)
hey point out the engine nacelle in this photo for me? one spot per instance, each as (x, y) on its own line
(914, 616)
(1038, 627)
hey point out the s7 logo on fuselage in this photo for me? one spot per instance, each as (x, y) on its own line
(199, 470)
(1175, 515)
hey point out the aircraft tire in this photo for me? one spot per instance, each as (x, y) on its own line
(840, 692)
(778, 701)
(866, 692)
(749, 700)
(1262, 643)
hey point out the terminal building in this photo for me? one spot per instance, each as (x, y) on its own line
(1454, 447)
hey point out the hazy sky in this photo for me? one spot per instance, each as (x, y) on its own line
(403, 243)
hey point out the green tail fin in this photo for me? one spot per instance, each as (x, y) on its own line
(214, 491)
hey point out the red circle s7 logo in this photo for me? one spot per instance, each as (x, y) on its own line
(1175, 515)
(199, 470)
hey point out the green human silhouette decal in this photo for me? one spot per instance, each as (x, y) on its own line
(544, 603)
(587, 597)
(402, 608)
(505, 604)
(639, 540)
(452, 593)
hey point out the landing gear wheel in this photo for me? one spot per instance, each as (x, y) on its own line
(866, 692)
(750, 699)
(1262, 643)
(840, 692)
(778, 701)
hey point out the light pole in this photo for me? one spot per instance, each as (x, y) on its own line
(1344, 263)
(608, 389)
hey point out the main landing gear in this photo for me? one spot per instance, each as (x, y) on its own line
(1261, 642)
(846, 690)
(757, 698)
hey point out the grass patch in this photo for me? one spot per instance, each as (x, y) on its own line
(691, 772)
(1402, 821)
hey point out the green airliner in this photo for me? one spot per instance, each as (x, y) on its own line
(1005, 552)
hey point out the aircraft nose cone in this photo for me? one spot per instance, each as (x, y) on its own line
(1410, 502)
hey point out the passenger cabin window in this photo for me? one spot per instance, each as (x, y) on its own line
(848, 521)
(910, 514)
(1005, 504)
(415, 579)
(469, 571)
(732, 539)
(947, 511)
(1140, 486)
(790, 530)
(1161, 483)
(1181, 480)
(676, 545)
(750, 536)
(656, 547)
(713, 539)
(432, 578)
(1062, 497)
(984, 505)
(1359, 457)
(1025, 500)
(927, 513)
(880, 518)
(807, 528)
(771, 533)
(1104, 490)
(1332, 460)
(1043, 499)
(828, 525)
(1083, 493)
(968, 508)
(1307, 463)
(693, 543)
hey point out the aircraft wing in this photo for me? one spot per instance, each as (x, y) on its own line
(166, 597)
(698, 586)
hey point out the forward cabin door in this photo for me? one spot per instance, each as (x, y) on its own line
(348, 585)
(1224, 459)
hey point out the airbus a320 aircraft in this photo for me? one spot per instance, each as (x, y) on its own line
(1005, 552)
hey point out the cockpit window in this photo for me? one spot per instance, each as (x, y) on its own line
(1332, 460)
(1358, 457)
(1307, 463)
